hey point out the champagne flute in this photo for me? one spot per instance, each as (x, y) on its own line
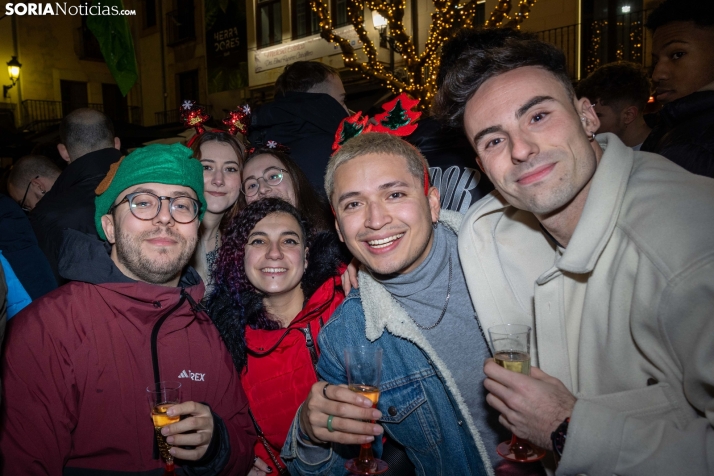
(364, 371)
(162, 396)
(511, 345)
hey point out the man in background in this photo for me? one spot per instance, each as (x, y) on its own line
(308, 108)
(30, 179)
(683, 75)
(619, 93)
(89, 146)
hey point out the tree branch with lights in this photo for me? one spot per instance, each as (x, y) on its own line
(420, 70)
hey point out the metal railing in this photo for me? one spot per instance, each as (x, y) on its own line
(180, 27)
(620, 38)
(566, 39)
(38, 114)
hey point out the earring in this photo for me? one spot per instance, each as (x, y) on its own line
(582, 118)
(435, 224)
(592, 137)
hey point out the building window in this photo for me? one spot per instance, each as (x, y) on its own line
(339, 13)
(180, 23)
(188, 86)
(305, 21)
(149, 13)
(270, 25)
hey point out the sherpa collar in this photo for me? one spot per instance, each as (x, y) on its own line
(381, 312)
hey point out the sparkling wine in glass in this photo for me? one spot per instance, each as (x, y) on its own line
(511, 350)
(162, 396)
(364, 372)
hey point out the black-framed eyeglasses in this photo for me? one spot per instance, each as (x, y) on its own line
(272, 176)
(24, 197)
(146, 206)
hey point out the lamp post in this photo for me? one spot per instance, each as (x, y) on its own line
(13, 69)
(385, 41)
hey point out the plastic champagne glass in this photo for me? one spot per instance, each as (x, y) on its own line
(511, 345)
(162, 396)
(364, 372)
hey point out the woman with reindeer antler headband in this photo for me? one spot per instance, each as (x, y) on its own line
(222, 155)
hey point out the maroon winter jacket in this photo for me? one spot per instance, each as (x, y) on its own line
(77, 363)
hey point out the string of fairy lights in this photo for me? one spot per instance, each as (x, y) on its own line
(420, 68)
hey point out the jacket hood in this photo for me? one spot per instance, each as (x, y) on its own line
(86, 258)
(294, 114)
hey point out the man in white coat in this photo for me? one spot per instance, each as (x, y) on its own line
(607, 253)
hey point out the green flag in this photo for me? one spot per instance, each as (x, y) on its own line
(114, 36)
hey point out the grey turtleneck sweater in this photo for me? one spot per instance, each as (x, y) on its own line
(457, 339)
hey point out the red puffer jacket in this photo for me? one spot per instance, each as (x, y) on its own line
(77, 363)
(280, 369)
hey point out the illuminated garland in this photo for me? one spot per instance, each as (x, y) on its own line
(421, 69)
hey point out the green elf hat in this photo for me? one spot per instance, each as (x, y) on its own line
(158, 163)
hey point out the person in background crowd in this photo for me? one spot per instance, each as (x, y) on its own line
(451, 165)
(606, 252)
(89, 146)
(3, 313)
(128, 318)
(19, 246)
(308, 107)
(17, 298)
(277, 285)
(272, 173)
(221, 155)
(30, 179)
(683, 75)
(412, 302)
(619, 93)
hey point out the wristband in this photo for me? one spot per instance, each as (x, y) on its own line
(558, 437)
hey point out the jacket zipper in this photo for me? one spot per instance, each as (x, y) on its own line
(310, 343)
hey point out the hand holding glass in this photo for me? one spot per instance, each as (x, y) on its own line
(162, 396)
(511, 345)
(364, 372)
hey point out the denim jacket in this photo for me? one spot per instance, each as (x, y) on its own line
(421, 406)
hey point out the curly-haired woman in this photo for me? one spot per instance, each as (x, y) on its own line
(276, 286)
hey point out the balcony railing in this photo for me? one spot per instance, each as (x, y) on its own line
(566, 39)
(180, 27)
(39, 114)
(622, 38)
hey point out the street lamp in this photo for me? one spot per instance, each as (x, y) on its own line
(13, 68)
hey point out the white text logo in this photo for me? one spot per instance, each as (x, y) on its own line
(64, 9)
(196, 377)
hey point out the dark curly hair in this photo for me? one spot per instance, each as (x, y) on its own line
(467, 38)
(481, 61)
(234, 302)
(700, 12)
(617, 85)
(311, 205)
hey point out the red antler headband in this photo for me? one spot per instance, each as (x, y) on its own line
(399, 119)
(238, 120)
(194, 116)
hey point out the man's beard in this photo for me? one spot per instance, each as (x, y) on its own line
(162, 268)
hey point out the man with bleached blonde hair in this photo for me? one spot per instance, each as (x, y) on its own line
(412, 303)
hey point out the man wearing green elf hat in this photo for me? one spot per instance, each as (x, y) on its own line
(81, 362)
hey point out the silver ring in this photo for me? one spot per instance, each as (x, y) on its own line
(324, 391)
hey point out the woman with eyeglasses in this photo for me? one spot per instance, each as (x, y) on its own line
(222, 155)
(277, 284)
(272, 173)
